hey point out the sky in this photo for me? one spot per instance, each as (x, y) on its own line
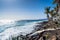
(23, 9)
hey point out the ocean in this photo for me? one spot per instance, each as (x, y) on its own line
(15, 28)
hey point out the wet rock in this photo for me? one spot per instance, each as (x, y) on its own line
(44, 35)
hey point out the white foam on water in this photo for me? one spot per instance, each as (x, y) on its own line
(15, 31)
(4, 22)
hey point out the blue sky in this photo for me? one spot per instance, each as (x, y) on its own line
(23, 9)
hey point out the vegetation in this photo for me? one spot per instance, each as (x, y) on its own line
(47, 11)
(53, 12)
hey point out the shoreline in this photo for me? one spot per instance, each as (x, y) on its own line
(40, 29)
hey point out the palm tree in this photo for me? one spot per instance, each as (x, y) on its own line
(56, 9)
(47, 10)
(52, 14)
(57, 2)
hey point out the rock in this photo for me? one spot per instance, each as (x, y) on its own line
(45, 34)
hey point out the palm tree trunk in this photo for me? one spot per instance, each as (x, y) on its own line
(48, 16)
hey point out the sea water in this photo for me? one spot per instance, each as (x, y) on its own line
(15, 28)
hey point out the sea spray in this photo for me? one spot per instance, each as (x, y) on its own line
(15, 30)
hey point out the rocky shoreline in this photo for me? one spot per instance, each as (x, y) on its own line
(43, 31)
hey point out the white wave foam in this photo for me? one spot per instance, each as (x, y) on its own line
(15, 31)
(6, 21)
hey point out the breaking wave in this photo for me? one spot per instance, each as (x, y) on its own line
(15, 28)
